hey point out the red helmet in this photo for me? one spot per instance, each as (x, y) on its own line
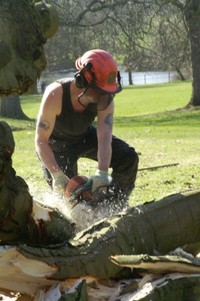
(100, 70)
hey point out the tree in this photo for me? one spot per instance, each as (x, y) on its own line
(172, 39)
(22, 50)
(80, 29)
(136, 35)
(10, 107)
(190, 11)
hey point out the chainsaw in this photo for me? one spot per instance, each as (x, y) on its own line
(79, 189)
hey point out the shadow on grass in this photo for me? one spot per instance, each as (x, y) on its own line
(180, 118)
(20, 124)
(161, 85)
(173, 118)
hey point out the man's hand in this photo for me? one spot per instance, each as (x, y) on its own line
(100, 179)
(60, 181)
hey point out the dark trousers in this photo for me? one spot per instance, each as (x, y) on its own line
(124, 161)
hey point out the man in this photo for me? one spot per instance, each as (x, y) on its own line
(65, 133)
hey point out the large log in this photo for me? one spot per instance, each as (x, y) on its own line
(87, 254)
(154, 227)
(45, 247)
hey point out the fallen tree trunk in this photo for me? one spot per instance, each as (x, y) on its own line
(143, 229)
(154, 227)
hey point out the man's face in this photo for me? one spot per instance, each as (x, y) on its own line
(101, 100)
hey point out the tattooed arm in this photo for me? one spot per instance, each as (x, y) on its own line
(104, 134)
(49, 109)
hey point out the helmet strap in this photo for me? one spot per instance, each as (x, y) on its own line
(80, 95)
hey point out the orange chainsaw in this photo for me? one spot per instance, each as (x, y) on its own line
(79, 189)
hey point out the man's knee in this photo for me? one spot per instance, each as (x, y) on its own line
(128, 163)
(134, 161)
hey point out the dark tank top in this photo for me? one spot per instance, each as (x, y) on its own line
(70, 126)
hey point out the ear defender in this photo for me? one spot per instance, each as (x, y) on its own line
(79, 77)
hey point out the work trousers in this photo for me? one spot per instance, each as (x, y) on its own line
(124, 161)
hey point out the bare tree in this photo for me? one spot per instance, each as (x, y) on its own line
(190, 11)
(172, 45)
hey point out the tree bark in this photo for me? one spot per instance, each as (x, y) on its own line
(180, 74)
(192, 17)
(174, 287)
(154, 227)
(130, 80)
(183, 288)
(10, 107)
(21, 51)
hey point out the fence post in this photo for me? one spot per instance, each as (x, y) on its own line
(145, 79)
(169, 77)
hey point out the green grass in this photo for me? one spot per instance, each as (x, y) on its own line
(133, 100)
(148, 99)
(149, 118)
(30, 104)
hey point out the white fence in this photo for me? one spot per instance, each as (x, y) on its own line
(152, 77)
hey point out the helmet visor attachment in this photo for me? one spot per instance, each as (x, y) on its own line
(94, 100)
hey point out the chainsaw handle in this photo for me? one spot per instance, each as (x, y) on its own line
(79, 191)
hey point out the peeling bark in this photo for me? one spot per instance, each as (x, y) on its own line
(159, 264)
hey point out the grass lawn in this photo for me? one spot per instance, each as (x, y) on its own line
(151, 118)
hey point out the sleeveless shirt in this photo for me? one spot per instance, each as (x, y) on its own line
(70, 126)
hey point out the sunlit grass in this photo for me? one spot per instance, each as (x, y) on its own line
(30, 104)
(133, 100)
(148, 99)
